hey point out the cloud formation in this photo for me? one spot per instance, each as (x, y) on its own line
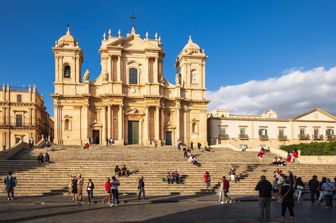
(291, 94)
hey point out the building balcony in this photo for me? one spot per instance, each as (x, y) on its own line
(318, 137)
(304, 137)
(330, 137)
(282, 138)
(19, 126)
(243, 137)
(223, 136)
(263, 137)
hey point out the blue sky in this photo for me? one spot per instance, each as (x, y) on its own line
(244, 40)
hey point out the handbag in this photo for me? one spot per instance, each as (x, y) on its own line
(280, 199)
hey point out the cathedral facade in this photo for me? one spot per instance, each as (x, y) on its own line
(129, 101)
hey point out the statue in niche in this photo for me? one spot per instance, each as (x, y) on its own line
(106, 76)
(86, 76)
(178, 79)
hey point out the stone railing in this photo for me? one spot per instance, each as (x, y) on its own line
(7, 154)
(282, 138)
(304, 137)
(243, 137)
(263, 137)
(224, 136)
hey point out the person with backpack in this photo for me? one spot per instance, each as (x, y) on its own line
(89, 189)
(265, 195)
(10, 182)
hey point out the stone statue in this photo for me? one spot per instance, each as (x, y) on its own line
(178, 79)
(86, 75)
(106, 76)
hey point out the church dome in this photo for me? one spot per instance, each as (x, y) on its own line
(191, 45)
(67, 39)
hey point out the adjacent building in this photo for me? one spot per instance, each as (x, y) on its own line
(268, 130)
(23, 116)
(130, 100)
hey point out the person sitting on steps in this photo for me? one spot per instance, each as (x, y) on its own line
(40, 158)
(117, 170)
(124, 171)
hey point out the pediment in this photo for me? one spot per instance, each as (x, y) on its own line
(315, 115)
(132, 42)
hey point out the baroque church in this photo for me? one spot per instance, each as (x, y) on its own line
(129, 101)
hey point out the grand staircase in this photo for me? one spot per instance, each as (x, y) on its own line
(151, 163)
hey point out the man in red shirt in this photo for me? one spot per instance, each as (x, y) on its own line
(108, 191)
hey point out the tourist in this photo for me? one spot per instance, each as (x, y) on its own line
(169, 178)
(40, 159)
(295, 156)
(299, 187)
(73, 187)
(10, 182)
(117, 171)
(289, 157)
(89, 189)
(80, 184)
(185, 153)
(314, 188)
(328, 190)
(141, 188)
(265, 193)
(291, 177)
(191, 145)
(124, 171)
(287, 200)
(261, 154)
(86, 146)
(47, 158)
(179, 144)
(281, 162)
(111, 141)
(207, 181)
(221, 197)
(176, 177)
(321, 197)
(232, 174)
(199, 145)
(275, 188)
(275, 161)
(107, 141)
(108, 191)
(226, 187)
(114, 190)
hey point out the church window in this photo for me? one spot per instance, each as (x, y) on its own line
(19, 98)
(67, 71)
(67, 124)
(133, 76)
(194, 78)
(194, 127)
(19, 120)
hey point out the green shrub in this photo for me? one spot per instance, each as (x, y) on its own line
(313, 149)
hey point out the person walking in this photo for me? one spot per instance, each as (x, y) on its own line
(287, 201)
(89, 189)
(207, 181)
(141, 187)
(73, 188)
(114, 190)
(265, 194)
(226, 187)
(314, 188)
(299, 187)
(10, 182)
(328, 190)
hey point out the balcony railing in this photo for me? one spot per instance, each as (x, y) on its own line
(304, 137)
(331, 137)
(282, 138)
(21, 125)
(263, 137)
(224, 136)
(243, 137)
(318, 137)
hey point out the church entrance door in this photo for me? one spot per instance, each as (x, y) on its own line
(133, 132)
(169, 139)
(95, 136)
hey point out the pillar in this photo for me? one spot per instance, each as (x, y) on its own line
(178, 119)
(109, 122)
(120, 125)
(118, 69)
(145, 134)
(157, 123)
(34, 117)
(85, 120)
(156, 70)
(103, 140)
(162, 123)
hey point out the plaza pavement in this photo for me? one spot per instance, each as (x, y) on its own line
(184, 209)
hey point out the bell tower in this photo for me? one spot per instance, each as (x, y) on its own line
(190, 66)
(68, 62)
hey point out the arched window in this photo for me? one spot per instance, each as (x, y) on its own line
(194, 127)
(67, 71)
(133, 76)
(67, 124)
(194, 78)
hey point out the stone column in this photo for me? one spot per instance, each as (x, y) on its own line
(163, 123)
(109, 121)
(156, 70)
(120, 125)
(34, 117)
(118, 69)
(145, 135)
(103, 140)
(85, 123)
(157, 123)
(56, 125)
(178, 119)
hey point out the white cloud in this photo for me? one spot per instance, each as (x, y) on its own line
(293, 93)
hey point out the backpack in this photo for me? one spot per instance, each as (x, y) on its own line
(92, 187)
